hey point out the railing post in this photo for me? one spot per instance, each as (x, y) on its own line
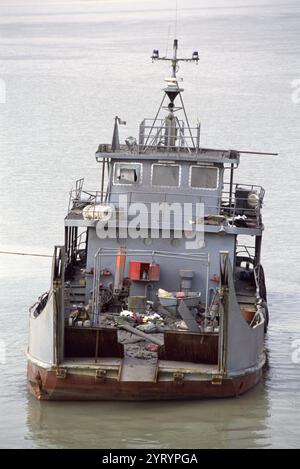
(206, 292)
(231, 183)
(223, 331)
(224, 307)
(198, 137)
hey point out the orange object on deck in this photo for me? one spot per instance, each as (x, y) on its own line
(120, 268)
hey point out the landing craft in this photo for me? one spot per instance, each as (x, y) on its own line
(176, 308)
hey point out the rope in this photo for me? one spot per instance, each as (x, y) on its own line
(24, 254)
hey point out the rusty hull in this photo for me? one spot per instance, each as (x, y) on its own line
(63, 384)
(190, 347)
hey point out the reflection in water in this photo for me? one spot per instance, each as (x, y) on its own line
(234, 423)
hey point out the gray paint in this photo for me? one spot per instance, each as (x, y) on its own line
(204, 155)
(41, 333)
(144, 191)
(244, 344)
(170, 279)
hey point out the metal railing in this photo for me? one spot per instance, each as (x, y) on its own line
(201, 258)
(172, 136)
(246, 252)
(161, 135)
(233, 208)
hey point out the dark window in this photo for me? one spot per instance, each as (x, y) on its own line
(204, 178)
(127, 174)
(165, 175)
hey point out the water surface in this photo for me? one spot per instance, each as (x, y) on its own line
(69, 67)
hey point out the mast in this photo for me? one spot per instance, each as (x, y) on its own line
(175, 60)
(172, 129)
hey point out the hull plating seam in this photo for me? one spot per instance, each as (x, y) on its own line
(45, 383)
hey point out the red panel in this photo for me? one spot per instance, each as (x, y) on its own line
(154, 271)
(143, 271)
(134, 270)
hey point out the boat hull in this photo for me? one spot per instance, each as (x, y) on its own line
(47, 384)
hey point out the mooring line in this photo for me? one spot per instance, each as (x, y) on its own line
(24, 254)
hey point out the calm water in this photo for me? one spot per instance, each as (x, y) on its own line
(69, 67)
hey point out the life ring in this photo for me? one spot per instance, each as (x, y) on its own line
(98, 212)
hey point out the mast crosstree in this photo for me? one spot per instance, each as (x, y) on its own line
(175, 60)
(171, 133)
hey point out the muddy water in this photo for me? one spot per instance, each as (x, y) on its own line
(69, 67)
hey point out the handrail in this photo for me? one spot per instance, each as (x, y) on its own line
(160, 136)
(250, 187)
(215, 203)
(243, 249)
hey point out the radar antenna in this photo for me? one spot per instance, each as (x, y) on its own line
(172, 128)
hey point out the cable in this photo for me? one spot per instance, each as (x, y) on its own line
(24, 254)
(176, 14)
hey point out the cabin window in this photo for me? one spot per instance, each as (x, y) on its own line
(165, 175)
(127, 173)
(204, 177)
